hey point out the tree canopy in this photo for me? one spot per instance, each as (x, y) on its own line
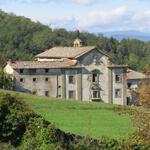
(22, 39)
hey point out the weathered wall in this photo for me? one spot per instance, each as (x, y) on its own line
(91, 61)
(73, 87)
(120, 85)
(8, 69)
(58, 85)
(40, 85)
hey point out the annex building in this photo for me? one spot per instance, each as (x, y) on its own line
(79, 73)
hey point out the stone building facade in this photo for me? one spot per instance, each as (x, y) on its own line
(134, 80)
(78, 73)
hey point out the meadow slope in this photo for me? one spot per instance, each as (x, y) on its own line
(83, 118)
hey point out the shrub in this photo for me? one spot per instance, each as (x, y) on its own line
(6, 81)
(39, 135)
(13, 116)
(22, 129)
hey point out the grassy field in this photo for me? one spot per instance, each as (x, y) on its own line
(83, 118)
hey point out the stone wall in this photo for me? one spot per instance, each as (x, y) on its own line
(119, 86)
(94, 61)
(55, 82)
(49, 82)
(69, 86)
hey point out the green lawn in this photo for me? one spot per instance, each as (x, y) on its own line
(83, 118)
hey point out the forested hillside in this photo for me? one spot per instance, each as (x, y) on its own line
(21, 39)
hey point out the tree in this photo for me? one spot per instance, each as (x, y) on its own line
(144, 90)
(13, 116)
(3, 60)
(133, 61)
(141, 116)
(6, 81)
(41, 40)
(22, 39)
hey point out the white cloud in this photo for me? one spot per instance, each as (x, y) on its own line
(117, 19)
(84, 2)
(102, 17)
(102, 21)
(68, 22)
(80, 2)
(120, 18)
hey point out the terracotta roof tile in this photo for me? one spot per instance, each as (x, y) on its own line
(65, 52)
(132, 74)
(44, 64)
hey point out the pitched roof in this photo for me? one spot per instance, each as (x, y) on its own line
(65, 52)
(44, 64)
(133, 75)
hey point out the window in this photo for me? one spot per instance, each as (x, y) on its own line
(46, 70)
(118, 78)
(129, 85)
(21, 80)
(59, 95)
(117, 93)
(46, 93)
(96, 94)
(95, 77)
(71, 79)
(21, 70)
(72, 95)
(46, 79)
(76, 45)
(34, 92)
(34, 79)
(33, 71)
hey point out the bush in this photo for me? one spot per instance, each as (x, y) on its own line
(22, 129)
(13, 116)
(39, 135)
(6, 81)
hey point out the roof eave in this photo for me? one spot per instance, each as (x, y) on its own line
(51, 57)
(136, 78)
(104, 53)
(46, 67)
(118, 66)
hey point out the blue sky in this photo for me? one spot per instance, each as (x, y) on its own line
(86, 15)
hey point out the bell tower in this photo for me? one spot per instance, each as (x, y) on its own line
(77, 42)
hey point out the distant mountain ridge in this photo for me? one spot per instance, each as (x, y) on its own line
(119, 35)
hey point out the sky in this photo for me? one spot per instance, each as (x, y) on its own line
(85, 15)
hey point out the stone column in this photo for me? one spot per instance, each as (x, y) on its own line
(110, 88)
(79, 84)
(124, 87)
(63, 84)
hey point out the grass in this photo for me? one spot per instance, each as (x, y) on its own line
(83, 118)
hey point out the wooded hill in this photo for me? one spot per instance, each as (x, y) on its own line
(21, 39)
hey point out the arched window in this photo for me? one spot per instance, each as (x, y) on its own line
(95, 87)
(95, 76)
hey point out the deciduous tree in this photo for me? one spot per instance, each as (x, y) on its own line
(6, 81)
(141, 116)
